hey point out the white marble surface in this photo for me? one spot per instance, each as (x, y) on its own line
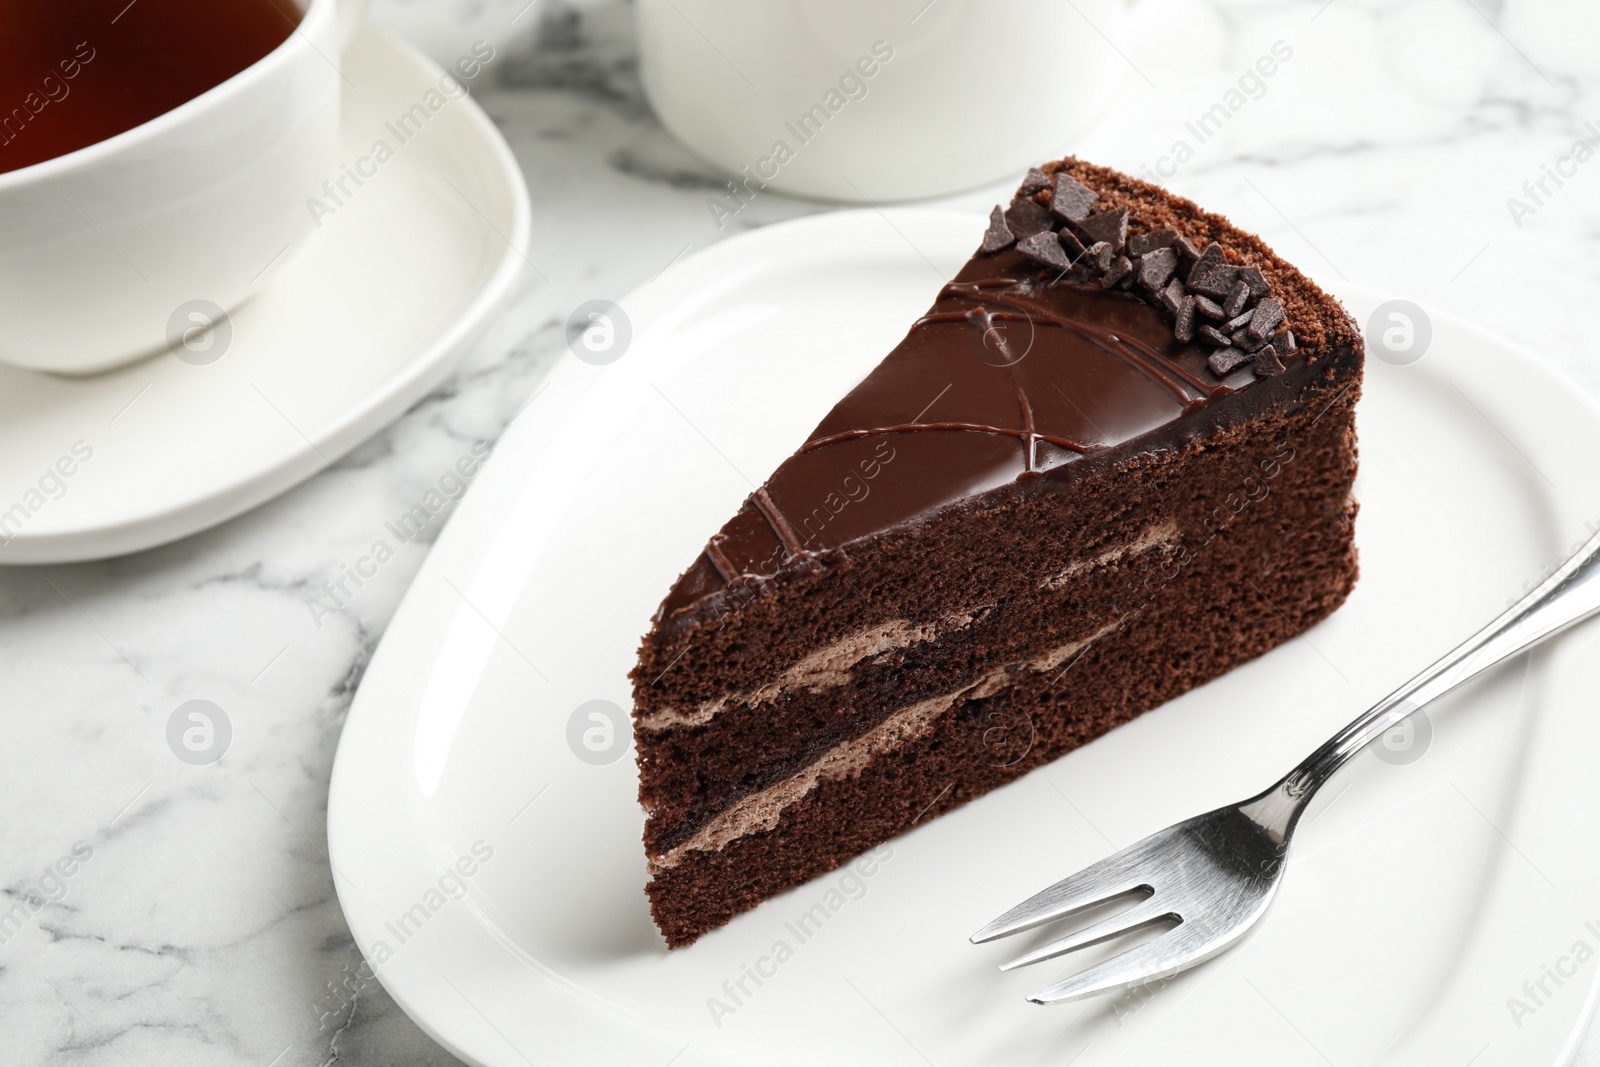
(204, 928)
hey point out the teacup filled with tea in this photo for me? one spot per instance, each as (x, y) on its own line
(154, 154)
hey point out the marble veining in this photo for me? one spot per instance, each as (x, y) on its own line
(202, 927)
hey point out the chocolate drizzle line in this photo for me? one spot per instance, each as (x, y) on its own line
(984, 319)
(962, 427)
(780, 525)
(1007, 292)
(1030, 439)
(719, 559)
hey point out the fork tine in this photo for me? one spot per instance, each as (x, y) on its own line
(1140, 915)
(1165, 955)
(1099, 882)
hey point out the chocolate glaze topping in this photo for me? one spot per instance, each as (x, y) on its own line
(1019, 368)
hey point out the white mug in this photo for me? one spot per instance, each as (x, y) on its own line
(876, 100)
(107, 250)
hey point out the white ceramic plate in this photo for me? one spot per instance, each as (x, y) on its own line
(1421, 897)
(346, 334)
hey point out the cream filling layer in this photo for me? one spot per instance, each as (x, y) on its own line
(1054, 658)
(761, 811)
(826, 668)
(1161, 535)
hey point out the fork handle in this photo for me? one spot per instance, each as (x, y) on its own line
(1568, 596)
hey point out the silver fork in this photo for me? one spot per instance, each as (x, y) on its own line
(1215, 874)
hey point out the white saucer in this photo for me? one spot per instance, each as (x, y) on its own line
(344, 336)
(1421, 896)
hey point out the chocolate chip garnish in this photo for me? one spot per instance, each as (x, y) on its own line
(1026, 218)
(1157, 267)
(1044, 248)
(1226, 359)
(1242, 339)
(1183, 328)
(1188, 255)
(1193, 285)
(1266, 318)
(1144, 243)
(1206, 262)
(1073, 246)
(1109, 226)
(1256, 281)
(1217, 282)
(1172, 296)
(1237, 299)
(1071, 199)
(1268, 363)
(1121, 270)
(998, 235)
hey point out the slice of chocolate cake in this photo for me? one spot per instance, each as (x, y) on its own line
(1112, 462)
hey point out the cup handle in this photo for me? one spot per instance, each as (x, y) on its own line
(348, 15)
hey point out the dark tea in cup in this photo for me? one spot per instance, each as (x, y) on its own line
(75, 72)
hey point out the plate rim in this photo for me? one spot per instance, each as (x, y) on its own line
(457, 1033)
(218, 501)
